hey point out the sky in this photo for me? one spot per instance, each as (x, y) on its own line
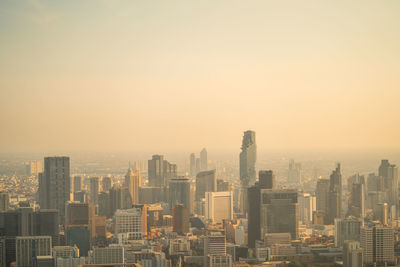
(124, 75)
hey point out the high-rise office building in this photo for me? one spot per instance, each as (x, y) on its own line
(266, 181)
(108, 255)
(378, 245)
(375, 183)
(347, 229)
(389, 173)
(106, 184)
(248, 157)
(294, 172)
(130, 221)
(54, 184)
(156, 170)
(192, 167)
(219, 206)
(4, 201)
(356, 205)
(179, 193)
(94, 190)
(79, 235)
(28, 247)
(27, 222)
(307, 206)
(133, 180)
(247, 167)
(203, 160)
(180, 219)
(335, 196)
(77, 183)
(321, 194)
(215, 244)
(206, 181)
(352, 254)
(160, 171)
(33, 167)
(273, 220)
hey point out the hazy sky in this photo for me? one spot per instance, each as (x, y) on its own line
(170, 75)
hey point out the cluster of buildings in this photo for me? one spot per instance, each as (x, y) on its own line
(164, 219)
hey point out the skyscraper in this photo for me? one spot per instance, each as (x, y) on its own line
(77, 183)
(206, 181)
(248, 157)
(156, 170)
(389, 173)
(179, 193)
(54, 184)
(106, 184)
(356, 205)
(160, 171)
(180, 219)
(219, 206)
(247, 168)
(192, 164)
(273, 220)
(203, 160)
(28, 247)
(352, 254)
(4, 201)
(133, 180)
(266, 181)
(378, 245)
(347, 229)
(94, 190)
(335, 195)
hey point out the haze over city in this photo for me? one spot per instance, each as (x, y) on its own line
(177, 75)
(176, 133)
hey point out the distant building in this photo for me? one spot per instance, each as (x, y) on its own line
(203, 160)
(273, 220)
(33, 167)
(106, 184)
(294, 172)
(133, 180)
(180, 193)
(206, 181)
(54, 184)
(180, 219)
(160, 171)
(248, 157)
(266, 181)
(219, 206)
(108, 255)
(192, 167)
(129, 221)
(377, 244)
(4, 201)
(43, 261)
(352, 254)
(79, 235)
(347, 229)
(28, 247)
(335, 196)
(94, 190)
(77, 183)
(247, 167)
(322, 198)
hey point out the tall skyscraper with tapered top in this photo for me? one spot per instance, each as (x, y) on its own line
(335, 195)
(248, 157)
(54, 184)
(247, 168)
